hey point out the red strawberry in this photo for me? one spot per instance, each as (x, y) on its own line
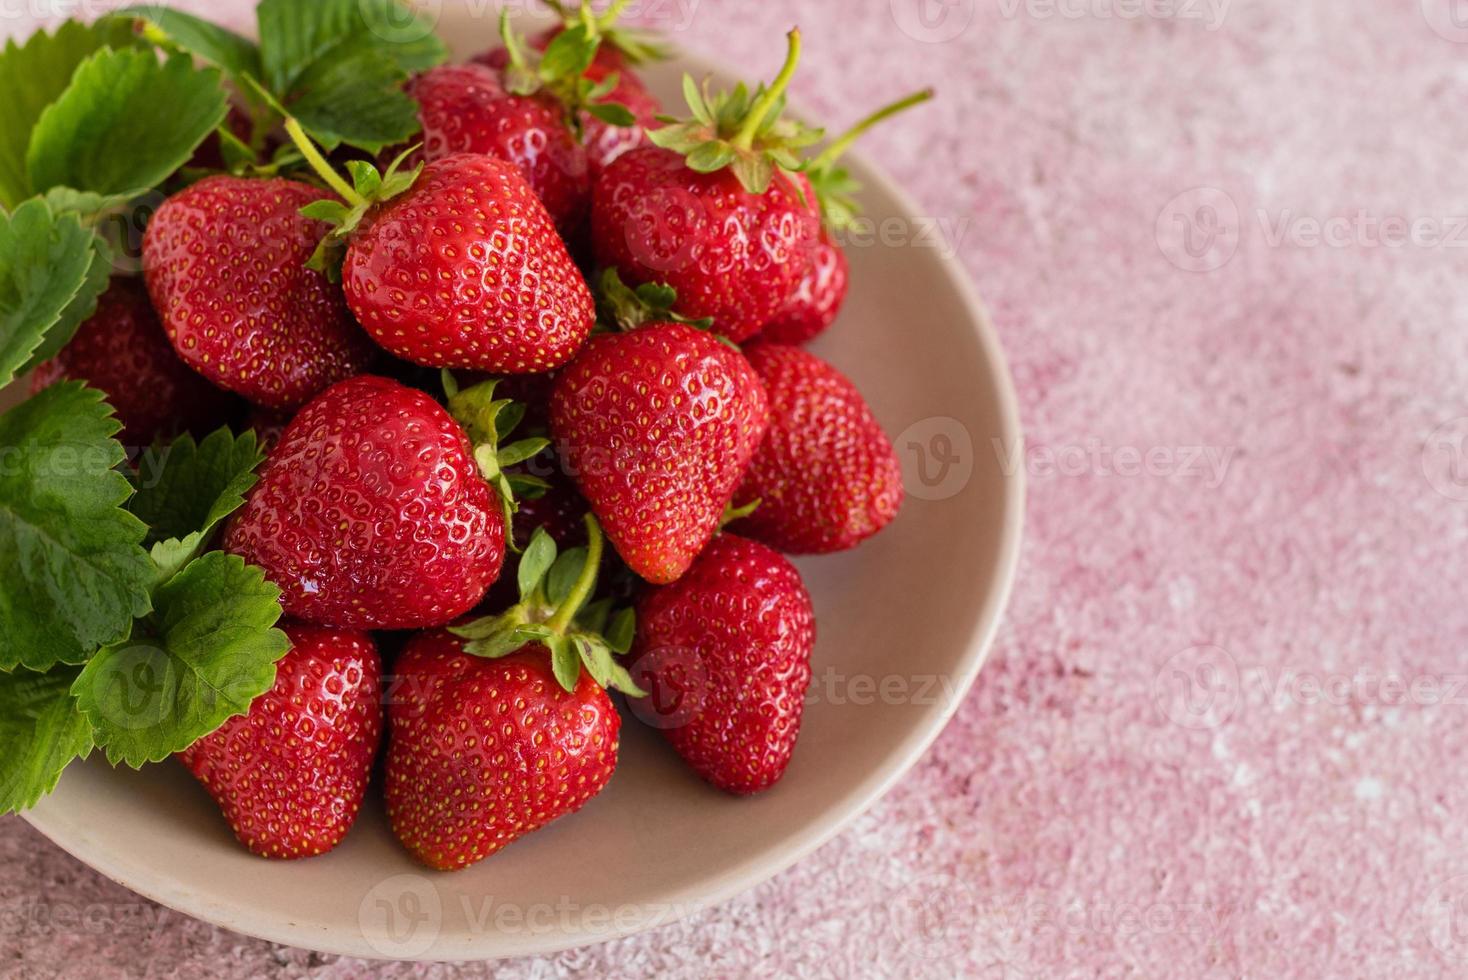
(465, 269)
(712, 210)
(817, 300)
(725, 652)
(825, 475)
(503, 724)
(466, 109)
(657, 426)
(290, 775)
(486, 751)
(821, 293)
(226, 266)
(123, 352)
(371, 513)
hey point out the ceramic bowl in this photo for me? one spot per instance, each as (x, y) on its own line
(904, 625)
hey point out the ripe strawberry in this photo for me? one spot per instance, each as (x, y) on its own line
(504, 724)
(466, 109)
(713, 210)
(290, 775)
(465, 270)
(122, 351)
(818, 299)
(371, 513)
(825, 476)
(657, 426)
(225, 262)
(726, 652)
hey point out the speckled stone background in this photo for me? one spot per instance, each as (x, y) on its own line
(1222, 731)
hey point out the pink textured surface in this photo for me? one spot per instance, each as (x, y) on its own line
(1082, 816)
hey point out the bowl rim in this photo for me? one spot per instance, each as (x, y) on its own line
(760, 866)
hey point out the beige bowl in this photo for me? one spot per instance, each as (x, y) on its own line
(904, 624)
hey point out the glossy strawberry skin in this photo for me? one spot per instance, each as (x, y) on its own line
(225, 262)
(826, 475)
(818, 298)
(466, 270)
(122, 351)
(483, 752)
(290, 775)
(725, 654)
(466, 109)
(731, 255)
(371, 513)
(657, 426)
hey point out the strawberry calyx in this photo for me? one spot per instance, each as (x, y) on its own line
(747, 133)
(732, 513)
(489, 422)
(560, 72)
(553, 610)
(637, 47)
(368, 187)
(834, 187)
(626, 309)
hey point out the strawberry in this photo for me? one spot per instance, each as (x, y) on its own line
(504, 724)
(371, 513)
(290, 775)
(818, 299)
(225, 262)
(461, 269)
(825, 476)
(657, 426)
(713, 209)
(467, 109)
(122, 351)
(726, 652)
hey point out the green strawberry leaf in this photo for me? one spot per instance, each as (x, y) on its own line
(293, 35)
(563, 575)
(33, 76)
(173, 29)
(199, 486)
(565, 661)
(75, 571)
(354, 94)
(88, 139)
(206, 653)
(51, 272)
(622, 630)
(539, 557)
(42, 732)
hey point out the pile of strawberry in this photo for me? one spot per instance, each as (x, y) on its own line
(511, 385)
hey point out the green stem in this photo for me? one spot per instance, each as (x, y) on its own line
(843, 143)
(321, 166)
(744, 140)
(585, 583)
